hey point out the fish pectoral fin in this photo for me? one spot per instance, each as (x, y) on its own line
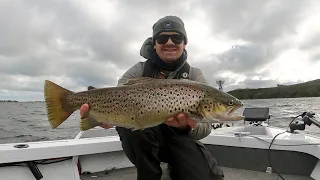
(235, 118)
(196, 117)
(207, 117)
(88, 123)
(127, 81)
(205, 120)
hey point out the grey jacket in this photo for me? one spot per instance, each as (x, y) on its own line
(202, 130)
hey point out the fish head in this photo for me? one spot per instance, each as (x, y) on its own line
(219, 107)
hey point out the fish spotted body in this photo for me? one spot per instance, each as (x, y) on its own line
(141, 103)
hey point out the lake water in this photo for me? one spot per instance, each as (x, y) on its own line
(27, 121)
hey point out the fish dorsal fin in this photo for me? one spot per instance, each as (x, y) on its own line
(132, 81)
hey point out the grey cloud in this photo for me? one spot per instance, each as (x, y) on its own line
(254, 21)
(316, 57)
(21, 95)
(25, 65)
(311, 44)
(19, 31)
(155, 8)
(12, 83)
(44, 39)
(312, 41)
(45, 21)
(243, 58)
(31, 31)
(265, 26)
(93, 74)
(250, 83)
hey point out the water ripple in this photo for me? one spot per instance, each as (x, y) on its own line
(28, 122)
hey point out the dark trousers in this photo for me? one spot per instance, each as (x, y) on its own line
(187, 157)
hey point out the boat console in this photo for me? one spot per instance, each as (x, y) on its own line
(256, 115)
(256, 118)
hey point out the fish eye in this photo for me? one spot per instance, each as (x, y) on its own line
(230, 103)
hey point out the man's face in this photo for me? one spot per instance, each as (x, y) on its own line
(169, 49)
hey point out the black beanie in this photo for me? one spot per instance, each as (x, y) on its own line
(170, 23)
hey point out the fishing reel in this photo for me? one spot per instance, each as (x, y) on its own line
(307, 119)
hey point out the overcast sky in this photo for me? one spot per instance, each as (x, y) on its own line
(77, 43)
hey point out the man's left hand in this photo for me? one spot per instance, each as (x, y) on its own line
(181, 121)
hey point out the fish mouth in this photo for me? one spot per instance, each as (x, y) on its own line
(225, 116)
(232, 110)
(230, 114)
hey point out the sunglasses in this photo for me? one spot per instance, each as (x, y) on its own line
(163, 38)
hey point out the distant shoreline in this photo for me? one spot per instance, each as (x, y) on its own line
(14, 101)
(301, 90)
(310, 89)
(17, 101)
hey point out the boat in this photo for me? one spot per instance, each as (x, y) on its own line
(250, 151)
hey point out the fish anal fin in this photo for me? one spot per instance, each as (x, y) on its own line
(137, 127)
(88, 123)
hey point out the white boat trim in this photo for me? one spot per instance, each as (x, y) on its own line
(95, 152)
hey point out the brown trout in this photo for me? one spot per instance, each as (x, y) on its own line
(141, 103)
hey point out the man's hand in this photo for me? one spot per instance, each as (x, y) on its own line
(84, 113)
(181, 121)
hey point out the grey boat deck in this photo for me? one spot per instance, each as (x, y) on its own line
(230, 174)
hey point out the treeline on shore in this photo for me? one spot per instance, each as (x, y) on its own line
(17, 101)
(8, 101)
(306, 89)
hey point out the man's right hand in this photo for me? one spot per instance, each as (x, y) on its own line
(84, 112)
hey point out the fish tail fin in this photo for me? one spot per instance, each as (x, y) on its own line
(58, 110)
